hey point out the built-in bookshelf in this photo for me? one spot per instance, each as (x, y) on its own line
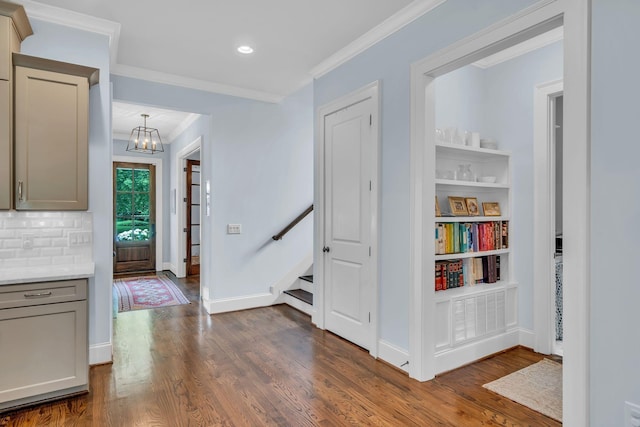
(473, 282)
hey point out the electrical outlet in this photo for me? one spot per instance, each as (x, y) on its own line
(234, 228)
(631, 415)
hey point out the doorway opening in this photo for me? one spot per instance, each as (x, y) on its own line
(134, 217)
(193, 214)
(556, 132)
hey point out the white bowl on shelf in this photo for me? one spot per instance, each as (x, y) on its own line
(487, 179)
(489, 143)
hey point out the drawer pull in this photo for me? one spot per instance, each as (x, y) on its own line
(38, 295)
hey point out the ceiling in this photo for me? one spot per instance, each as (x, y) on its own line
(193, 44)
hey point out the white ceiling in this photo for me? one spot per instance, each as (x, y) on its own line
(193, 44)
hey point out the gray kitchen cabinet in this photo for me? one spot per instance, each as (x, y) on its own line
(51, 116)
(43, 341)
(14, 27)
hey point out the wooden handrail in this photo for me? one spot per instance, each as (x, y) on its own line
(292, 224)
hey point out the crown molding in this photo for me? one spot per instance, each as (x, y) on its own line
(68, 18)
(184, 125)
(175, 80)
(527, 46)
(387, 27)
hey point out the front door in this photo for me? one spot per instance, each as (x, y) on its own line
(134, 246)
(348, 172)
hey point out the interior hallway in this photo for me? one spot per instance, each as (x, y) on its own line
(178, 366)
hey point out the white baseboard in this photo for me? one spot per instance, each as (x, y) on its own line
(465, 354)
(297, 304)
(168, 266)
(100, 353)
(527, 338)
(238, 303)
(393, 355)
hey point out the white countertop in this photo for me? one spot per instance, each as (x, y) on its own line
(46, 273)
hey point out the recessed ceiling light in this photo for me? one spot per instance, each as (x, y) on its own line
(245, 49)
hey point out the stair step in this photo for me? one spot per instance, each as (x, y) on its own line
(308, 278)
(302, 295)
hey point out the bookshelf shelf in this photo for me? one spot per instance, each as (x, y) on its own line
(465, 255)
(472, 290)
(445, 219)
(465, 152)
(470, 184)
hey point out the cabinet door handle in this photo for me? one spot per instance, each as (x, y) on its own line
(20, 190)
(38, 295)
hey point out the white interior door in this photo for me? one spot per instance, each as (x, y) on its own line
(349, 144)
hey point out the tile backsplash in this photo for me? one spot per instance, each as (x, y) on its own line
(45, 238)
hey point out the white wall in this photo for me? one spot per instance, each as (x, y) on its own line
(70, 45)
(615, 210)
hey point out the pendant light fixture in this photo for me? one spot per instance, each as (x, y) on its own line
(145, 140)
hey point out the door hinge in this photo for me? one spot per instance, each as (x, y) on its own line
(370, 185)
(185, 200)
(184, 260)
(369, 250)
(184, 229)
(369, 317)
(370, 119)
(184, 169)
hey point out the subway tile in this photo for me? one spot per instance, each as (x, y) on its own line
(51, 252)
(7, 234)
(54, 232)
(61, 242)
(7, 253)
(62, 260)
(18, 262)
(11, 243)
(32, 262)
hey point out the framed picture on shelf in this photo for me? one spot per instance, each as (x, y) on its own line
(491, 208)
(438, 213)
(458, 206)
(472, 206)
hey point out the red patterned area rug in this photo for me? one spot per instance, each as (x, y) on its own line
(140, 293)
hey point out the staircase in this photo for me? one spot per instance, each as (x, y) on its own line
(300, 296)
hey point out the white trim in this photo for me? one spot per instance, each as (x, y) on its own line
(305, 285)
(186, 82)
(395, 22)
(527, 338)
(238, 303)
(576, 205)
(460, 356)
(393, 355)
(181, 182)
(80, 21)
(167, 266)
(530, 22)
(157, 162)
(544, 215)
(100, 353)
(372, 91)
(182, 126)
(525, 47)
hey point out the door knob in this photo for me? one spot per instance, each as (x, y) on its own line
(326, 249)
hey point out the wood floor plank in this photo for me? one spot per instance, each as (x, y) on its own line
(178, 366)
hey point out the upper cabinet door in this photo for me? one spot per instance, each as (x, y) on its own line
(51, 140)
(6, 143)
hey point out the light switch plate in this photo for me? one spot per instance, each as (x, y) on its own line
(631, 415)
(234, 228)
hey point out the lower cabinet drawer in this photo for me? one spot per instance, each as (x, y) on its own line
(43, 351)
(42, 293)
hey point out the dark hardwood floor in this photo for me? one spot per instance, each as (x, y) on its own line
(178, 366)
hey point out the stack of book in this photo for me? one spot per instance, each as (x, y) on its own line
(466, 272)
(454, 237)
